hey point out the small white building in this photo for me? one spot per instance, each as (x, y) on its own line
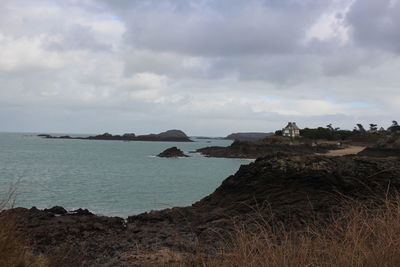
(291, 130)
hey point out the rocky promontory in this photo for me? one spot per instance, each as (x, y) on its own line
(287, 189)
(167, 136)
(172, 152)
(267, 146)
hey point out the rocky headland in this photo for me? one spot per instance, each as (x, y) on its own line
(168, 136)
(172, 152)
(290, 189)
(268, 146)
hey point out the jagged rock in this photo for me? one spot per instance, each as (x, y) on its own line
(96, 237)
(172, 152)
(57, 210)
(81, 212)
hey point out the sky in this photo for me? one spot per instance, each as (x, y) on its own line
(207, 67)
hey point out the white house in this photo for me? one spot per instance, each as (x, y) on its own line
(291, 130)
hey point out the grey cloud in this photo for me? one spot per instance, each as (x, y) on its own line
(376, 24)
(252, 40)
(215, 28)
(276, 69)
(347, 62)
(23, 19)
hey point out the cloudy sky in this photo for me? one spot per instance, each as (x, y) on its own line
(208, 67)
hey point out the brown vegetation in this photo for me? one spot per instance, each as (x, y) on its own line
(17, 251)
(359, 236)
(13, 250)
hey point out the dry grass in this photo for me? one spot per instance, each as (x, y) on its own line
(13, 251)
(14, 248)
(360, 236)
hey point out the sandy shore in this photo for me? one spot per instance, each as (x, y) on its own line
(346, 151)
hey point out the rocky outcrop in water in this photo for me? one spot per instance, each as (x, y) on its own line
(172, 152)
(289, 189)
(170, 135)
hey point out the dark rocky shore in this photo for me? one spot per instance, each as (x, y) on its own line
(290, 188)
(168, 136)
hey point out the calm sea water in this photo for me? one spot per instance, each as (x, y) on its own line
(108, 177)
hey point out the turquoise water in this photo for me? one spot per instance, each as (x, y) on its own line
(108, 177)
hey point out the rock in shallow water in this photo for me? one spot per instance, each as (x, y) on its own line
(172, 152)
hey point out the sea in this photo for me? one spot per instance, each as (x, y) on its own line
(113, 178)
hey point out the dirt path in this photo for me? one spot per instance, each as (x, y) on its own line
(346, 151)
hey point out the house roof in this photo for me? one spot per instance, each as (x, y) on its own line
(292, 126)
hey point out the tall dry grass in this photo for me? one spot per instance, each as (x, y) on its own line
(13, 248)
(358, 236)
(13, 251)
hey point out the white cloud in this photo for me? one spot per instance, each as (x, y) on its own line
(24, 52)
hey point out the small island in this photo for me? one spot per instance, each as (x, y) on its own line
(168, 136)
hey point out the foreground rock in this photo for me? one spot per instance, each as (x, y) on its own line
(77, 234)
(288, 189)
(292, 190)
(168, 136)
(172, 152)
